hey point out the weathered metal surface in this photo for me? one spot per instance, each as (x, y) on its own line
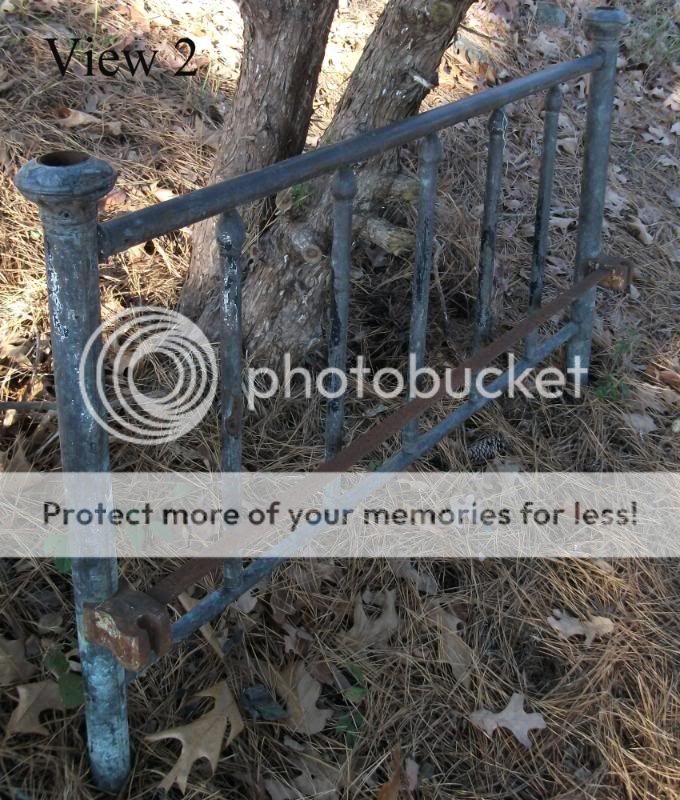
(430, 156)
(139, 226)
(344, 189)
(230, 238)
(603, 27)
(365, 444)
(498, 124)
(542, 224)
(134, 626)
(66, 186)
(172, 585)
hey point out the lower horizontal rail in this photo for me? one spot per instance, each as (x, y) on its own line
(216, 602)
(399, 461)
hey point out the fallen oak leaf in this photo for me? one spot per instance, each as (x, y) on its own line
(13, 664)
(642, 423)
(377, 630)
(403, 568)
(203, 737)
(34, 698)
(301, 691)
(453, 649)
(513, 717)
(569, 626)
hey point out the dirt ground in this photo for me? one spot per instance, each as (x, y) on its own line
(386, 707)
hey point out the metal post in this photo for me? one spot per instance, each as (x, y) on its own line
(603, 28)
(66, 185)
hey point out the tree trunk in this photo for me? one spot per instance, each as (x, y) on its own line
(284, 47)
(284, 294)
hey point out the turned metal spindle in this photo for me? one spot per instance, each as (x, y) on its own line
(487, 256)
(230, 238)
(542, 225)
(430, 156)
(344, 189)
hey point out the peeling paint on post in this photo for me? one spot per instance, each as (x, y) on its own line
(603, 27)
(66, 185)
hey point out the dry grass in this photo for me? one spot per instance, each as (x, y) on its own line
(612, 708)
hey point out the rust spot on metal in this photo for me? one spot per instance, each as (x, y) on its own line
(133, 626)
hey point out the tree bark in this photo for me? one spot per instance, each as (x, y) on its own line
(284, 46)
(284, 293)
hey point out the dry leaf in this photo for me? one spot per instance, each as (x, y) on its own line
(203, 737)
(637, 227)
(513, 717)
(34, 698)
(294, 637)
(545, 45)
(163, 194)
(13, 664)
(51, 623)
(403, 568)
(17, 352)
(70, 118)
(247, 601)
(316, 779)
(657, 135)
(642, 423)
(452, 648)
(390, 790)
(569, 626)
(674, 197)
(376, 630)
(569, 144)
(411, 772)
(116, 198)
(188, 602)
(670, 378)
(300, 691)
(17, 462)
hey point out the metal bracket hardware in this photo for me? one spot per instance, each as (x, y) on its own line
(132, 625)
(621, 268)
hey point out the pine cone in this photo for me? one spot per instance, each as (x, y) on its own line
(486, 449)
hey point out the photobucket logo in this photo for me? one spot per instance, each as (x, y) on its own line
(263, 383)
(138, 344)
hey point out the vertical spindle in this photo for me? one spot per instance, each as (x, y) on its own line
(542, 224)
(430, 156)
(230, 238)
(497, 127)
(344, 189)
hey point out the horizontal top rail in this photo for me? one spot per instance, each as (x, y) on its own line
(136, 227)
